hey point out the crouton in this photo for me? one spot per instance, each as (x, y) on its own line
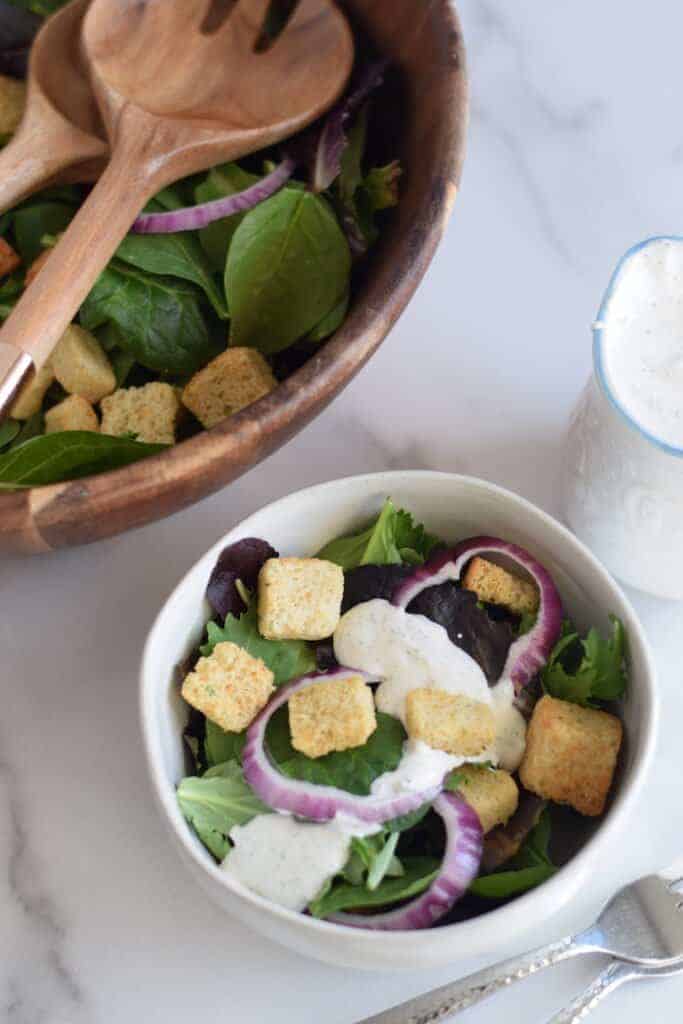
(230, 382)
(151, 413)
(9, 259)
(449, 721)
(299, 598)
(12, 103)
(230, 687)
(74, 413)
(81, 365)
(30, 399)
(37, 266)
(498, 586)
(334, 715)
(571, 754)
(492, 793)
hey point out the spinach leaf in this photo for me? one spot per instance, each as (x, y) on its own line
(220, 746)
(353, 770)
(8, 431)
(288, 266)
(33, 221)
(159, 318)
(10, 290)
(419, 873)
(67, 455)
(531, 866)
(177, 255)
(220, 182)
(216, 802)
(41, 7)
(34, 426)
(286, 659)
(585, 670)
(392, 538)
(332, 322)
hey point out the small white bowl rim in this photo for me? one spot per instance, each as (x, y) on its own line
(548, 898)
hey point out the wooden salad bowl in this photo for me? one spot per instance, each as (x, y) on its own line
(425, 112)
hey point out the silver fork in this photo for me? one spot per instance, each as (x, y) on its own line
(642, 925)
(613, 977)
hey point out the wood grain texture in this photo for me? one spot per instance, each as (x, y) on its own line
(427, 104)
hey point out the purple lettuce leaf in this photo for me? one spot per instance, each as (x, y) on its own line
(368, 582)
(240, 561)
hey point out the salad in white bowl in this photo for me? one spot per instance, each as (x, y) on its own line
(395, 732)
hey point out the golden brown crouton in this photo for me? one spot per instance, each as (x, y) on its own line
(30, 398)
(334, 715)
(151, 413)
(230, 687)
(299, 598)
(9, 259)
(81, 365)
(571, 754)
(37, 266)
(498, 586)
(449, 721)
(492, 793)
(12, 103)
(74, 413)
(230, 382)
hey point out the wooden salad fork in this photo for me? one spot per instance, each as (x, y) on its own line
(61, 138)
(181, 85)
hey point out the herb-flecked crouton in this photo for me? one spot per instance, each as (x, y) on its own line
(230, 687)
(151, 413)
(334, 715)
(449, 721)
(30, 399)
(492, 793)
(74, 413)
(571, 754)
(81, 365)
(230, 382)
(9, 259)
(12, 103)
(498, 586)
(299, 598)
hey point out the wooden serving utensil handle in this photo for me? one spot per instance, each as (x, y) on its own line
(50, 303)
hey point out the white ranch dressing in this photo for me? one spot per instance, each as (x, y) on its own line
(406, 652)
(284, 860)
(642, 339)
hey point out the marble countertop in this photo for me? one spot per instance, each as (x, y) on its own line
(573, 156)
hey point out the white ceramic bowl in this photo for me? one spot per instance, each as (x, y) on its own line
(453, 507)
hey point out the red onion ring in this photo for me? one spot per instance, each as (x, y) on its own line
(191, 218)
(304, 799)
(459, 868)
(530, 652)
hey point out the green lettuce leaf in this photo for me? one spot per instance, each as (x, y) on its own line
(216, 802)
(67, 455)
(587, 670)
(419, 873)
(394, 537)
(531, 866)
(287, 659)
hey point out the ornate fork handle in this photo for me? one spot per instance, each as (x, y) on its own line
(605, 983)
(451, 999)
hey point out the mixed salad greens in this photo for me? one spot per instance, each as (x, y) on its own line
(464, 835)
(275, 278)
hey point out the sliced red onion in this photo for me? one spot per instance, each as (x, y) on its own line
(191, 218)
(459, 868)
(305, 799)
(530, 652)
(333, 140)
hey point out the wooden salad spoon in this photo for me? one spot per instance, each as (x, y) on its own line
(61, 138)
(181, 85)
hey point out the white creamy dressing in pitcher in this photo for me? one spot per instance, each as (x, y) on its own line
(642, 339)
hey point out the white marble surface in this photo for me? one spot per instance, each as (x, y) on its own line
(576, 150)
